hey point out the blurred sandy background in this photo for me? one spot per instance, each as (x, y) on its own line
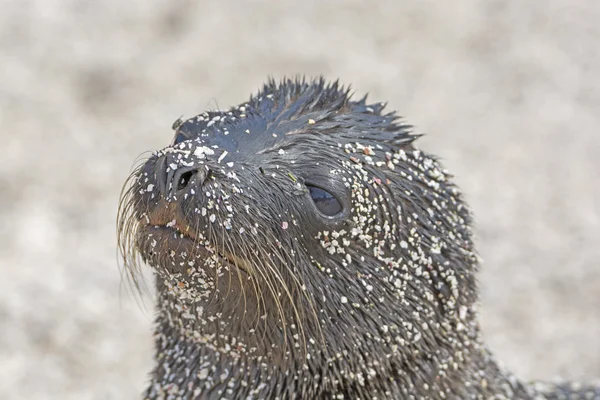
(508, 93)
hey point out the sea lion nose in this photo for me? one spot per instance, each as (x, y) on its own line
(174, 178)
(183, 178)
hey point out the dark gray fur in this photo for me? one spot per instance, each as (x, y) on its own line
(261, 296)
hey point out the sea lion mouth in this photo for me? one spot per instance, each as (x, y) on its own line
(187, 244)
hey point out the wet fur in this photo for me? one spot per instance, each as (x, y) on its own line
(255, 303)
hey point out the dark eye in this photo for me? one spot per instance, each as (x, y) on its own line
(325, 201)
(179, 138)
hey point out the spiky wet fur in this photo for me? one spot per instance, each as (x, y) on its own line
(262, 296)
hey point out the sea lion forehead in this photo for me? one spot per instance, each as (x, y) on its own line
(293, 117)
(268, 120)
(240, 132)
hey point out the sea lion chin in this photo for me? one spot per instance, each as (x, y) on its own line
(303, 247)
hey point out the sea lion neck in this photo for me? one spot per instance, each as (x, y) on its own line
(204, 366)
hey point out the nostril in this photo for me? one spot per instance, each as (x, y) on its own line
(174, 179)
(184, 179)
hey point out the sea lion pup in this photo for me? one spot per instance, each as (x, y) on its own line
(303, 248)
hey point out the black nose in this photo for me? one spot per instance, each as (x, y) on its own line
(174, 178)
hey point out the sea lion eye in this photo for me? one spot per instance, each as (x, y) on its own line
(325, 201)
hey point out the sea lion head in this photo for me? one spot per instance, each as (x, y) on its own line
(302, 226)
